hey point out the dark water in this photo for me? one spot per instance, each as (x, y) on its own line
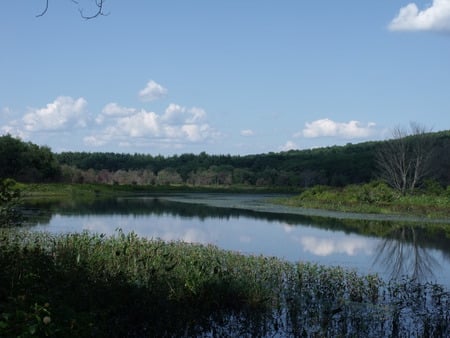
(242, 223)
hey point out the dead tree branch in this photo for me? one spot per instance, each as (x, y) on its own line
(99, 12)
(99, 4)
(44, 11)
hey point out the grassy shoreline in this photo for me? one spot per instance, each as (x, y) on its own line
(373, 198)
(87, 284)
(64, 190)
(84, 285)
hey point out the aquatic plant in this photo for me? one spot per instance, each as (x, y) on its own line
(89, 284)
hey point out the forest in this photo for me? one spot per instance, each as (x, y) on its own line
(333, 166)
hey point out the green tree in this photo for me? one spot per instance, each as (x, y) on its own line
(27, 162)
(9, 203)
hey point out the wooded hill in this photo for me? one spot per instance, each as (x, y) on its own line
(334, 166)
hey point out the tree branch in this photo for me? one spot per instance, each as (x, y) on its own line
(44, 11)
(99, 4)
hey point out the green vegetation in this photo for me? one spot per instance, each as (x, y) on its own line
(27, 162)
(334, 166)
(9, 203)
(376, 197)
(91, 285)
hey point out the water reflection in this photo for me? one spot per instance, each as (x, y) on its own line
(403, 255)
(389, 248)
(330, 246)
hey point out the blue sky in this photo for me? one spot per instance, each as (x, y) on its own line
(225, 77)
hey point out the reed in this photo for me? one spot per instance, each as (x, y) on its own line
(87, 284)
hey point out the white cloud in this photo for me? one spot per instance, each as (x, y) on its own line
(329, 128)
(289, 145)
(13, 130)
(153, 91)
(433, 18)
(247, 132)
(139, 125)
(176, 114)
(328, 246)
(177, 125)
(114, 110)
(62, 113)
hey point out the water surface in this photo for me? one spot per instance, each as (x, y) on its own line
(247, 224)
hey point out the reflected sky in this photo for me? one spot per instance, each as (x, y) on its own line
(266, 236)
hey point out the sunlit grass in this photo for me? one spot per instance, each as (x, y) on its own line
(374, 197)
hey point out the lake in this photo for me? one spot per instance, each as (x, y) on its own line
(250, 225)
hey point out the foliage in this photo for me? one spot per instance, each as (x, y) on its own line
(374, 197)
(91, 285)
(334, 166)
(27, 162)
(9, 203)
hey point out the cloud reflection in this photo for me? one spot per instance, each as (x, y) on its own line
(164, 231)
(328, 246)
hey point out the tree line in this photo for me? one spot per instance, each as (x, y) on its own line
(333, 166)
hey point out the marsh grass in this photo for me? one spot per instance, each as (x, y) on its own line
(375, 197)
(92, 285)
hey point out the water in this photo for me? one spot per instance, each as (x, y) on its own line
(247, 224)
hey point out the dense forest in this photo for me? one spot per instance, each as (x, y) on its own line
(334, 166)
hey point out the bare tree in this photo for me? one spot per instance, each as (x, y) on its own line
(403, 254)
(98, 4)
(405, 160)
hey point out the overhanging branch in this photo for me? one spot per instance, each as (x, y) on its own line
(44, 11)
(98, 3)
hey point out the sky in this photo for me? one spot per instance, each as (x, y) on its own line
(237, 77)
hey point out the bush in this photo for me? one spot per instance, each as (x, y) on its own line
(9, 203)
(432, 187)
(376, 192)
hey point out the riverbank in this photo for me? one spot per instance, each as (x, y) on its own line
(369, 201)
(374, 199)
(63, 190)
(93, 285)
(350, 203)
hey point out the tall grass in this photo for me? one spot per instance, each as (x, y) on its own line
(92, 285)
(374, 197)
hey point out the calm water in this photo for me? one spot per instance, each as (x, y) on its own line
(406, 251)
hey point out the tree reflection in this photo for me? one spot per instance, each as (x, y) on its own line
(403, 255)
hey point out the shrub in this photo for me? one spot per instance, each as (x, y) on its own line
(376, 192)
(9, 203)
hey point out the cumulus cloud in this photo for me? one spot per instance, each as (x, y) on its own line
(329, 128)
(176, 114)
(114, 110)
(153, 91)
(13, 130)
(327, 246)
(247, 132)
(61, 114)
(289, 145)
(433, 18)
(129, 126)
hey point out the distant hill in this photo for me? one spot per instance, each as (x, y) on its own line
(335, 165)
